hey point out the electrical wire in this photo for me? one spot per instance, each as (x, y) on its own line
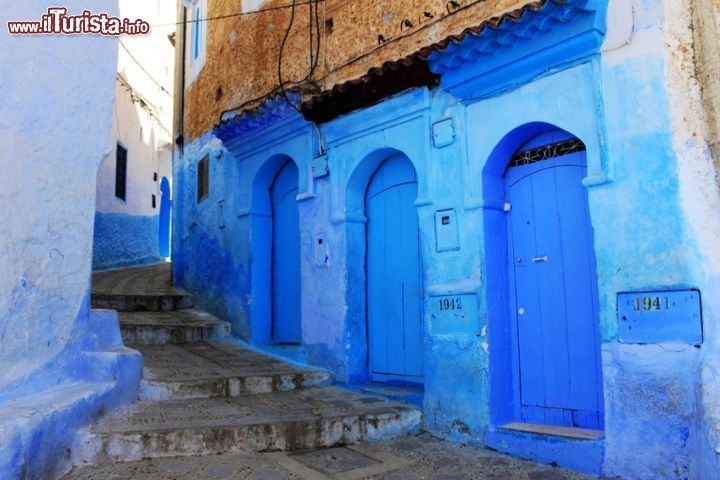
(281, 84)
(280, 89)
(314, 50)
(240, 14)
(143, 69)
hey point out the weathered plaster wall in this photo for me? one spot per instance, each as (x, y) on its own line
(706, 35)
(49, 161)
(60, 363)
(126, 231)
(349, 33)
(690, 34)
(655, 150)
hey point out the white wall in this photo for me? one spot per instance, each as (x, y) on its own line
(55, 122)
(142, 120)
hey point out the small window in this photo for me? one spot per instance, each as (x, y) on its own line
(120, 171)
(203, 181)
(196, 34)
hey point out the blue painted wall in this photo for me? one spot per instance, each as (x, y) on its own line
(121, 240)
(657, 397)
(61, 364)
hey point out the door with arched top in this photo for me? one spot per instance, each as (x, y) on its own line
(554, 285)
(394, 274)
(285, 288)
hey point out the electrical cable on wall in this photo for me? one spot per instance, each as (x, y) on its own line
(143, 69)
(453, 7)
(314, 49)
(240, 14)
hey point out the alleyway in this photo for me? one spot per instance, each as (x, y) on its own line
(210, 408)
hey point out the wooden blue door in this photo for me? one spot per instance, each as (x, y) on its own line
(285, 257)
(394, 274)
(555, 292)
(165, 209)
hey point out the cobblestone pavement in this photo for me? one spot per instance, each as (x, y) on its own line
(420, 457)
(146, 280)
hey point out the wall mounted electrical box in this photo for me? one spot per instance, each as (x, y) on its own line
(446, 230)
(321, 250)
(443, 133)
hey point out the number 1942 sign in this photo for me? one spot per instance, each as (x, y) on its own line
(453, 314)
(660, 317)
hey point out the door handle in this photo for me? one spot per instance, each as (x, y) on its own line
(544, 258)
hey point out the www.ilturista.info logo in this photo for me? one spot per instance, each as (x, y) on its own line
(58, 22)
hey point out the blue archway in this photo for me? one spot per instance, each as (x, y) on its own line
(165, 211)
(546, 370)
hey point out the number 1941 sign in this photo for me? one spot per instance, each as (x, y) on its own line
(660, 316)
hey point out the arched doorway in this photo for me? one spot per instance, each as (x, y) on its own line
(553, 284)
(165, 209)
(394, 275)
(285, 277)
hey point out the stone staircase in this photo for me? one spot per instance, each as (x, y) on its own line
(204, 392)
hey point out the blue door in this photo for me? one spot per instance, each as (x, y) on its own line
(555, 292)
(393, 274)
(285, 293)
(165, 208)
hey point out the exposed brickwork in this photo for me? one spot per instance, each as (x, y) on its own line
(242, 51)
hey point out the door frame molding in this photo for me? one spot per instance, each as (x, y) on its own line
(260, 282)
(393, 377)
(502, 329)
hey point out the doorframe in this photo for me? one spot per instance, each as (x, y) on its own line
(354, 221)
(502, 329)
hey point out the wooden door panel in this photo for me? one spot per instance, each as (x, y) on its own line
(393, 268)
(554, 286)
(286, 327)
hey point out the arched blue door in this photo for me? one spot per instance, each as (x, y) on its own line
(165, 208)
(394, 274)
(285, 293)
(555, 292)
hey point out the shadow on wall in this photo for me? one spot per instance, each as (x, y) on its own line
(129, 218)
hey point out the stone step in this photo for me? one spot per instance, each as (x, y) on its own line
(297, 420)
(146, 288)
(160, 302)
(176, 327)
(220, 368)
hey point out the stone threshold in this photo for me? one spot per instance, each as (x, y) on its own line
(554, 430)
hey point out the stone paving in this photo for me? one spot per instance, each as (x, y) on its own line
(271, 428)
(148, 280)
(417, 457)
(218, 368)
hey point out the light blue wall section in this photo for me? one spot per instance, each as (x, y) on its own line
(122, 240)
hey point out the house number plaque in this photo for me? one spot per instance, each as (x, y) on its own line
(660, 316)
(453, 314)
